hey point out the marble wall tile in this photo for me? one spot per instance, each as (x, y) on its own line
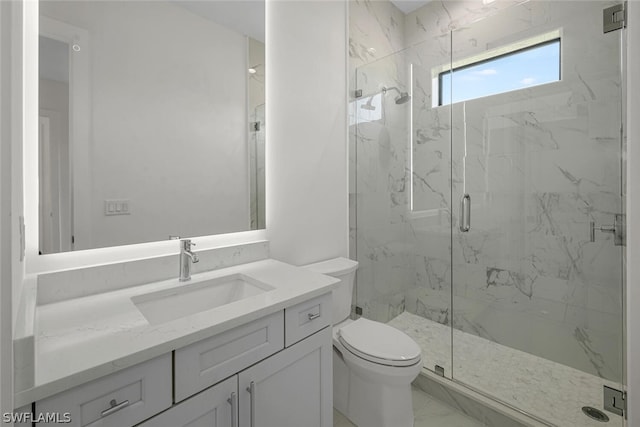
(384, 308)
(376, 30)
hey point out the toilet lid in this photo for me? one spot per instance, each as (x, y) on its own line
(379, 343)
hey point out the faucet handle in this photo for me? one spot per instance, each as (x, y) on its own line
(186, 244)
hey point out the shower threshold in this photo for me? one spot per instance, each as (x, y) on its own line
(533, 390)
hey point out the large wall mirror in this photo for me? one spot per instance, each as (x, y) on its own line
(151, 121)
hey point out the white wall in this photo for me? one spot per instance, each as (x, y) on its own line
(633, 213)
(5, 197)
(307, 210)
(168, 122)
(11, 136)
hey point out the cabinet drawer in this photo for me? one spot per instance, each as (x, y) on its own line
(121, 399)
(307, 318)
(209, 361)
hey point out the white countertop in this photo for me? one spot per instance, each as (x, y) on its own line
(82, 339)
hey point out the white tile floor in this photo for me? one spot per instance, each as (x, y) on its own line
(428, 412)
(549, 390)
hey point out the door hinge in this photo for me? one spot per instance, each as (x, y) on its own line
(615, 401)
(614, 18)
(618, 229)
(23, 244)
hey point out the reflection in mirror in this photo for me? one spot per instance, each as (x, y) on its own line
(151, 121)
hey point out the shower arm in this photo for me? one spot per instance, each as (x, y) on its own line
(385, 89)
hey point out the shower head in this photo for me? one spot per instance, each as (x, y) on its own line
(402, 97)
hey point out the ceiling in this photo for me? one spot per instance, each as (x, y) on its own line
(408, 6)
(246, 16)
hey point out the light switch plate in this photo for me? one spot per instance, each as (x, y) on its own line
(117, 207)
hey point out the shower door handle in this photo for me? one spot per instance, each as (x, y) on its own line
(465, 213)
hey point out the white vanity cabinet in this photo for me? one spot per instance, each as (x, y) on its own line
(292, 388)
(274, 371)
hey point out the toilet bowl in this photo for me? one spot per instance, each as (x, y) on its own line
(373, 363)
(374, 386)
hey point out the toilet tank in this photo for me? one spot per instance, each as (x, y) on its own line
(345, 270)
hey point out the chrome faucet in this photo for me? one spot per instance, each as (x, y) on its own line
(187, 256)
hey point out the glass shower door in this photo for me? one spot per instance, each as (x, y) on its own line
(535, 94)
(256, 167)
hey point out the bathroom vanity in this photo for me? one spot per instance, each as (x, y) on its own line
(261, 357)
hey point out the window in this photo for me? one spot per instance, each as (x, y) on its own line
(520, 67)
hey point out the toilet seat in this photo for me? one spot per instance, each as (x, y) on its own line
(379, 343)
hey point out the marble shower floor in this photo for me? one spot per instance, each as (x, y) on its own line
(428, 412)
(551, 391)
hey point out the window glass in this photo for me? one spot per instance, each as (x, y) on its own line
(523, 68)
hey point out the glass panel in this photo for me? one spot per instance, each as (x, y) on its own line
(403, 198)
(256, 167)
(382, 132)
(537, 304)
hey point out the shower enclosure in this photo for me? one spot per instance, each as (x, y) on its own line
(256, 167)
(490, 207)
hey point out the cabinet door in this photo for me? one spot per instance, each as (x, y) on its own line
(214, 407)
(291, 388)
(23, 417)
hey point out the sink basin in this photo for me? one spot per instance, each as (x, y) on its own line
(194, 297)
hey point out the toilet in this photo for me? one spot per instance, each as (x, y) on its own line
(373, 363)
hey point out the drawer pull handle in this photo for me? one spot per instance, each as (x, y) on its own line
(115, 407)
(252, 391)
(233, 401)
(312, 316)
